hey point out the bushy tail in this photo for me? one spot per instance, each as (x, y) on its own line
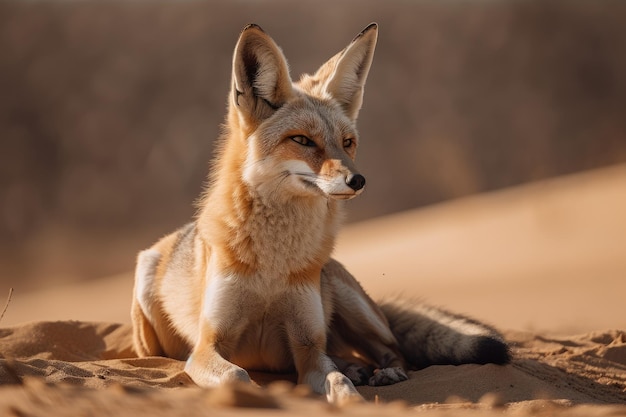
(432, 336)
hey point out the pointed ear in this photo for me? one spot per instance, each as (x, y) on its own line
(350, 67)
(261, 82)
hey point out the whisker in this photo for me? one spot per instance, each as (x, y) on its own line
(304, 174)
(284, 175)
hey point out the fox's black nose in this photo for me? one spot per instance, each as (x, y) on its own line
(356, 181)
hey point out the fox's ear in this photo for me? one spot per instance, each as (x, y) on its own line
(347, 71)
(261, 82)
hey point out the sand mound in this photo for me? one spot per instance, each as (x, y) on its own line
(77, 366)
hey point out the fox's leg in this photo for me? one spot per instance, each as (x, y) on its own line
(222, 322)
(207, 367)
(145, 339)
(359, 323)
(388, 367)
(306, 333)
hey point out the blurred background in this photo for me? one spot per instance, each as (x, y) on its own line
(109, 110)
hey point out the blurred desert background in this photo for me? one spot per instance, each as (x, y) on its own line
(493, 140)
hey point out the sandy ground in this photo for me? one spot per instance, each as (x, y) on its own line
(545, 263)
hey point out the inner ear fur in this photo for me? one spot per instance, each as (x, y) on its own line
(345, 73)
(261, 82)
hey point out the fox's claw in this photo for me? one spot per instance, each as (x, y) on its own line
(357, 374)
(388, 376)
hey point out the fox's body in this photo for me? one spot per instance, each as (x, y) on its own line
(250, 284)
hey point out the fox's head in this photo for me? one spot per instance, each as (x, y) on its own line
(300, 139)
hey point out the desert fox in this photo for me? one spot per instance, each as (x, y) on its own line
(250, 283)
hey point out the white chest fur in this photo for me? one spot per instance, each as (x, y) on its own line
(288, 236)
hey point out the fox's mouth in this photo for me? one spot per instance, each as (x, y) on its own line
(337, 196)
(334, 196)
(311, 184)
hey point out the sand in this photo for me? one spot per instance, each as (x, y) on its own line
(545, 263)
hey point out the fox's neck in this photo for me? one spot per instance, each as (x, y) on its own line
(252, 234)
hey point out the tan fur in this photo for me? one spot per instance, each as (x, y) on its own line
(250, 284)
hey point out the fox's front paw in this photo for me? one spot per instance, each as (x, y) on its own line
(215, 372)
(234, 375)
(340, 390)
(388, 376)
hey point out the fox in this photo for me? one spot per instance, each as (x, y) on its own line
(250, 284)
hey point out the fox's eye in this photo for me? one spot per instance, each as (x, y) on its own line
(302, 140)
(348, 143)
